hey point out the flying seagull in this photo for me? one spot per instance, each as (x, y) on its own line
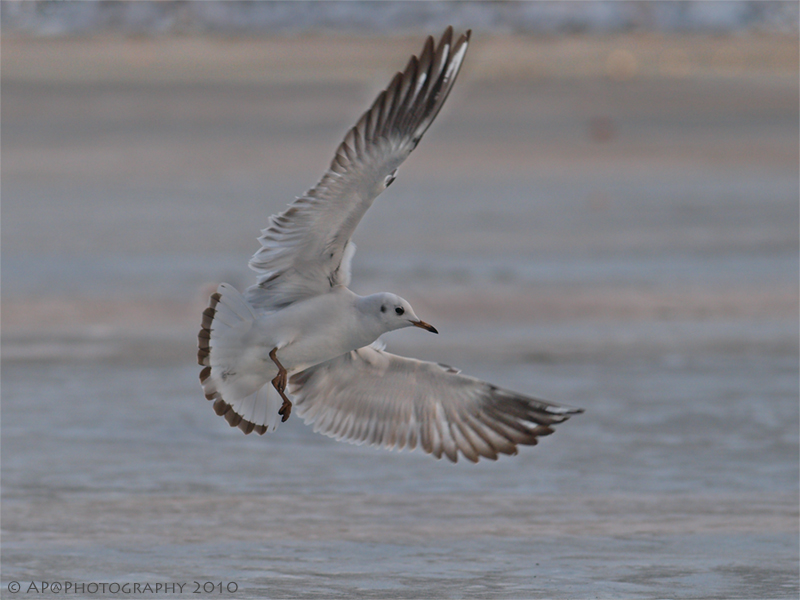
(299, 337)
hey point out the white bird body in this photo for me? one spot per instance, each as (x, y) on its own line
(329, 326)
(301, 330)
(305, 333)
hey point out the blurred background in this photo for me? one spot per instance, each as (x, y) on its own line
(605, 214)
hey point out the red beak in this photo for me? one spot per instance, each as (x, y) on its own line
(425, 326)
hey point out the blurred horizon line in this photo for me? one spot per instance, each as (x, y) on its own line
(39, 18)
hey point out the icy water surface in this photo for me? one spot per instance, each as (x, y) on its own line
(679, 477)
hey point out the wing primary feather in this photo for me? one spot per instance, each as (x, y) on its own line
(424, 76)
(406, 95)
(493, 446)
(390, 103)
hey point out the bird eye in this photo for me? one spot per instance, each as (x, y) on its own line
(399, 310)
(383, 308)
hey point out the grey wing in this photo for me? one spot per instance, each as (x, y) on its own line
(369, 395)
(306, 249)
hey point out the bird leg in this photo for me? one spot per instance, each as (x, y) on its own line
(279, 383)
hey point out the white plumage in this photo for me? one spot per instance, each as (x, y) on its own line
(300, 330)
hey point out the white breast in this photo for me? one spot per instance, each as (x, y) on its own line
(316, 330)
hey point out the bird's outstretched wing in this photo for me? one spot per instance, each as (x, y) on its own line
(306, 249)
(371, 396)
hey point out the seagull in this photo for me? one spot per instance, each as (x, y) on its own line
(299, 337)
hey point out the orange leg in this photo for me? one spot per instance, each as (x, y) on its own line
(279, 383)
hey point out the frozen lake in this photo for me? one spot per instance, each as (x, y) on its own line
(650, 278)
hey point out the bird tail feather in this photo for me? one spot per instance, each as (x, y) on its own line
(244, 395)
